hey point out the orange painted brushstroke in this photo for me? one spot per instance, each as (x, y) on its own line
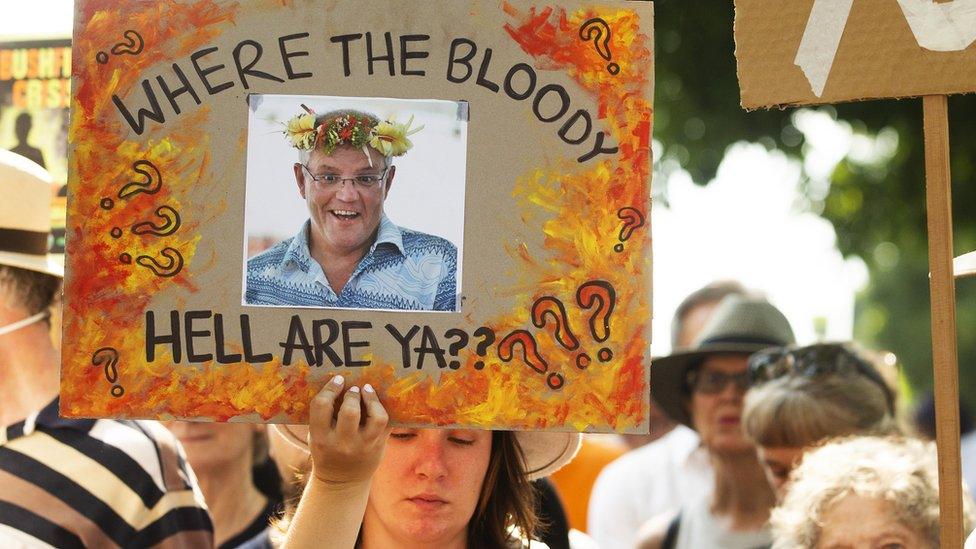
(579, 235)
(101, 164)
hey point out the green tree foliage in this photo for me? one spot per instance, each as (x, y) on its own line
(877, 208)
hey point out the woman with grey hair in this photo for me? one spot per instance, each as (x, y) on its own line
(801, 397)
(864, 492)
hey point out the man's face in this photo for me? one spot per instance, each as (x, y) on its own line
(345, 215)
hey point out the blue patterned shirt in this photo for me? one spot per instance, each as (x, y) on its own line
(403, 270)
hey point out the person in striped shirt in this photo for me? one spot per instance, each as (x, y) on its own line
(71, 482)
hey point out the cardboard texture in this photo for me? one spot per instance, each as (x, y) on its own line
(554, 326)
(829, 51)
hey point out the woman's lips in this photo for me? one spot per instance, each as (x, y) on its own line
(729, 420)
(427, 502)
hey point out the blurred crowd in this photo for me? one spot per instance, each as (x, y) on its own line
(754, 441)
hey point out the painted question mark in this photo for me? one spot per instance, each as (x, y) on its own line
(171, 222)
(550, 307)
(530, 355)
(455, 348)
(598, 31)
(150, 185)
(633, 220)
(487, 336)
(108, 358)
(173, 265)
(598, 293)
(133, 45)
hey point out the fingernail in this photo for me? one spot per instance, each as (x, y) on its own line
(368, 388)
(354, 389)
(338, 380)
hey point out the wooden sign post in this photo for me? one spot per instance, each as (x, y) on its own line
(942, 289)
(811, 52)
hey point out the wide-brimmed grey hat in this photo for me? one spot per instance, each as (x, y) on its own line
(965, 265)
(740, 324)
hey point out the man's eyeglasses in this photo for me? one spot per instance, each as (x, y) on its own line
(713, 382)
(363, 181)
(814, 360)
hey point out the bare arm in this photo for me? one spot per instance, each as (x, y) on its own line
(345, 454)
(652, 533)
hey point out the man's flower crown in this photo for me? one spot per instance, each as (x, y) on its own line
(390, 138)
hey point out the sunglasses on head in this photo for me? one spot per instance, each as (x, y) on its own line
(812, 361)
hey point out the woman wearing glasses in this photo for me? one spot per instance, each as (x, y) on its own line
(703, 388)
(805, 396)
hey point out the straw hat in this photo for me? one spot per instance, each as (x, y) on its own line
(740, 324)
(545, 451)
(965, 265)
(25, 215)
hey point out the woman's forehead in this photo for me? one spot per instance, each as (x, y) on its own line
(725, 362)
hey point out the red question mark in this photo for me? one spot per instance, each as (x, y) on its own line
(633, 220)
(108, 358)
(530, 355)
(550, 307)
(598, 293)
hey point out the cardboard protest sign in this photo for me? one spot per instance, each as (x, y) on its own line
(829, 51)
(35, 89)
(505, 280)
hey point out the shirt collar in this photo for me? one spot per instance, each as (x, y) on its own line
(389, 233)
(45, 417)
(298, 251)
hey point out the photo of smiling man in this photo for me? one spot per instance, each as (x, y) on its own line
(348, 253)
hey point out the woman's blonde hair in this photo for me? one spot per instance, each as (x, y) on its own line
(899, 471)
(799, 410)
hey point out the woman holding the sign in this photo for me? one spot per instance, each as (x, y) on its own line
(371, 486)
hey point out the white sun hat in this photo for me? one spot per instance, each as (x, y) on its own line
(545, 451)
(25, 215)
